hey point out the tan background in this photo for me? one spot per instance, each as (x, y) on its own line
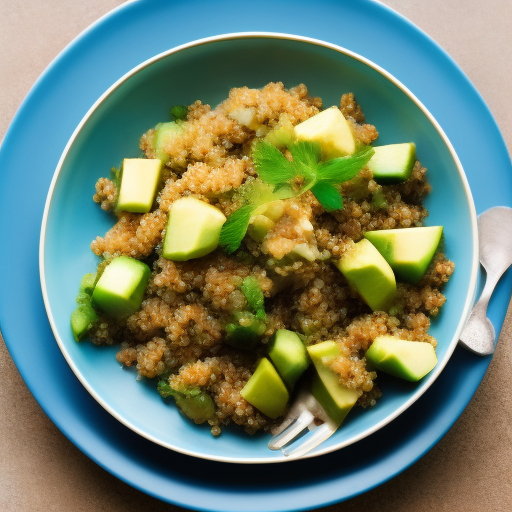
(469, 470)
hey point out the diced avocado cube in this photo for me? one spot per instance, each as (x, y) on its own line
(198, 407)
(409, 360)
(163, 133)
(337, 400)
(259, 226)
(193, 229)
(408, 251)
(370, 274)
(392, 163)
(244, 331)
(139, 181)
(283, 134)
(120, 288)
(82, 320)
(274, 210)
(266, 391)
(195, 403)
(289, 355)
(331, 130)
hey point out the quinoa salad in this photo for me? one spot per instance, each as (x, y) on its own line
(281, 214)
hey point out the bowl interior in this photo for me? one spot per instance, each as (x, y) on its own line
(207, 72)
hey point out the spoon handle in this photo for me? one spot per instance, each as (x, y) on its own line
(478, 335)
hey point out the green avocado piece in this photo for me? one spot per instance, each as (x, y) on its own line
(244, 331)
(409, 360)
(392, 163)
(331, 130)
(87, 283)
(164, 132)
(193, 229)
(82, 320)
(195, 403)
(139, 181)
(120, 288)
(370, 274)
(198, 407)
(408, 251)
(337, 400)
(289, 355)
(283, 134)
(266, 391)
(259, 226)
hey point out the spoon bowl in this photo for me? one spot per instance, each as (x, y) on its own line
(495, 246)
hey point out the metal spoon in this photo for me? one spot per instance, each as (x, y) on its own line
(495, 244)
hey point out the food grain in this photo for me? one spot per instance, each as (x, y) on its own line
(179, 332)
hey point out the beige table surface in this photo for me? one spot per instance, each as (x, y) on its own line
(470, 470)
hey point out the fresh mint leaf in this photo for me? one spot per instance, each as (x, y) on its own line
(328, 196)
(254, 294)
(272, 166)
(339, 170)
(234, 229)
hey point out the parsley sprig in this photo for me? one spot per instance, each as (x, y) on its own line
(291, 178)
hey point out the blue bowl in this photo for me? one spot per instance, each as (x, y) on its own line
(207, 70)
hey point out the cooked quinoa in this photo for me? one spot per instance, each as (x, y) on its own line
(178, 334)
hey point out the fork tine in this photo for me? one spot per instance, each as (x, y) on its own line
(312, 440)
(291, 431)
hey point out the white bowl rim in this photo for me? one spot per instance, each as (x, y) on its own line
(322, 449)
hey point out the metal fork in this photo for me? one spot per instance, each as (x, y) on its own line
(306, 412)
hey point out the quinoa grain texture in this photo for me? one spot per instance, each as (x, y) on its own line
(178, 334)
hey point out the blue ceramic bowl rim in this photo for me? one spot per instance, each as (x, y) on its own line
(291, 37)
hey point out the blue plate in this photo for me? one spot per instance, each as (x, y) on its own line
(50, 113)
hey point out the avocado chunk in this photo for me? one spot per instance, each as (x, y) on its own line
(409, 360)
(195, 403)
(266, 391)
(408, 251)
(264, 219)
(120, 288)
(392, 163)
(283, 134)
(163, 133)
(139, 181)
(83, 319)
(337, 400)
(331, 130)
(259, 226)
(369, 273)
(245, 330)
(87, 284)
(84, 316)
(289, 356)
(193, 229)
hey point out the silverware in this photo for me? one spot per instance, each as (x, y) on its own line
(305, 413)
(495, 245)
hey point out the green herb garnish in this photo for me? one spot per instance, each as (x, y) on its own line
(257, 194)
(179, 112)
(284, 179)
(254, 294)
